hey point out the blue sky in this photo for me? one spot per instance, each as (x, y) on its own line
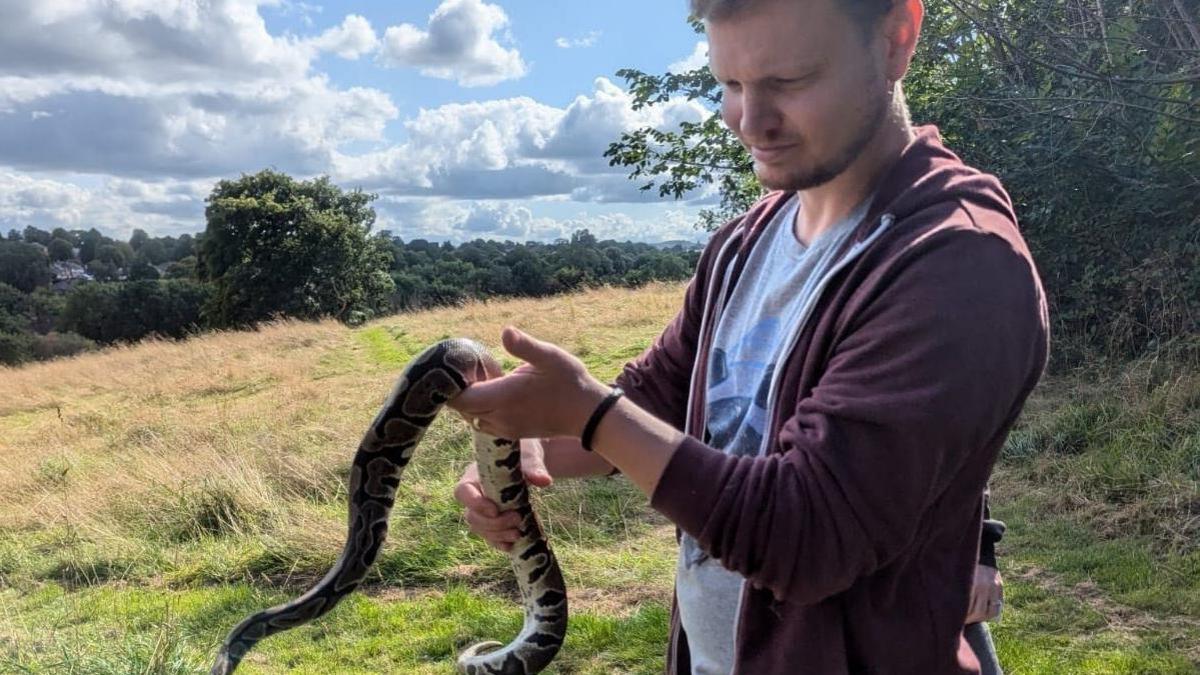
(470, 118)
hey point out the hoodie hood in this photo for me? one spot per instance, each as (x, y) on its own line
(942, 178)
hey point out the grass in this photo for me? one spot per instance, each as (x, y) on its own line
(151, 496)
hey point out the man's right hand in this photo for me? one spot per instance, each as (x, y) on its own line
(483, 515)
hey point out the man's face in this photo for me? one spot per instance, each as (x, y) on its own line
(803, 90)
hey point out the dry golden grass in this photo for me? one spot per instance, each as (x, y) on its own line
(140, 452)
(613, 316)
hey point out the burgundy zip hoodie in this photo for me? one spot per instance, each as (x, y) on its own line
(859, 530)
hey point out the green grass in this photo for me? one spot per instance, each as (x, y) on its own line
(163, 517)
(388, 346)
(1100, 488)
(108, 630)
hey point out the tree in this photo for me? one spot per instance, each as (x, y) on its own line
(88, 243)
(24, 266)
(138, 239)
(34, 235)
(111, 254)
(182, 269)
(13, 302)
(61, 249)
(103, 271)
(71, 237)
(15, 348)
(153, 251)
(107, 312)
(185, 246)
(696, 154)
(44, 308)
(277, 246)
(141, 270)
(1088, 110)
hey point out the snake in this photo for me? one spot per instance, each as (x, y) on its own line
(435, 376)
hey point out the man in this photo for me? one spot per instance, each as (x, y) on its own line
(821, 417)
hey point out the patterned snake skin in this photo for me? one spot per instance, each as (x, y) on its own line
(434, 377)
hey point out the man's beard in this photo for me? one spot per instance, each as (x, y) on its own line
(832, 168)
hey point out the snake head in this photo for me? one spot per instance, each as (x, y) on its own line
(471, 359)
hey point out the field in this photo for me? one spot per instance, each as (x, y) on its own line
(151, 496)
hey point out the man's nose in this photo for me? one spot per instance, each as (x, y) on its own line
(760, 116)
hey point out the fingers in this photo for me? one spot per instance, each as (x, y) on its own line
(973, 613)
(526, 347)
(987, 596)
(995, 600)
(977, 605)
(469, 493)
(483, 517)
(474, 400)
(499, 533)
(533, 463)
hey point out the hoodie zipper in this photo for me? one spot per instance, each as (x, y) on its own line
(885, 222)
(705, 323)
(776, 377)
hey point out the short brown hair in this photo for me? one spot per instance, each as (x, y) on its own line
(866, 13)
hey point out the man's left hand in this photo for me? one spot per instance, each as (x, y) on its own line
(551, 394)
(987, 595)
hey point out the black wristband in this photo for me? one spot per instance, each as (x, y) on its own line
(589, 429)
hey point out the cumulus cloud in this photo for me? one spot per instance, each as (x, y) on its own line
(446, 220)
(588, 40)
(352, 39)
(295, 126)
(459, 44)
(694, 61)
(515, 148)
(146, 40)
(174, 87)
(115, 206)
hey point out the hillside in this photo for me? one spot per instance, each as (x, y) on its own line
(151, 496)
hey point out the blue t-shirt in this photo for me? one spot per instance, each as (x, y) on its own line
(781, 277)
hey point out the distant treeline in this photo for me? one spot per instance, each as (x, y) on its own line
(276, 247)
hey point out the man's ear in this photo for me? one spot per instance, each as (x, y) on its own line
(902, 27)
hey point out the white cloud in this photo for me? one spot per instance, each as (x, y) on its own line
(515, 148)
(295, 125)
(445, 220)
(352, 39)
(160, 41)
(694, 61)
(115, 206)
(460, 44)
(174, 87)
(588, 40)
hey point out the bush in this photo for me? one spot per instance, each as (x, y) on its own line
(16, 348)
(55, 345)
(107, 312)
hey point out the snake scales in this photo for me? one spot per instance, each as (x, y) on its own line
(437, 375)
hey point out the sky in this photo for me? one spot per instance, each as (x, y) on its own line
(469, 118)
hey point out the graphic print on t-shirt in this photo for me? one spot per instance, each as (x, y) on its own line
(736, 421)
